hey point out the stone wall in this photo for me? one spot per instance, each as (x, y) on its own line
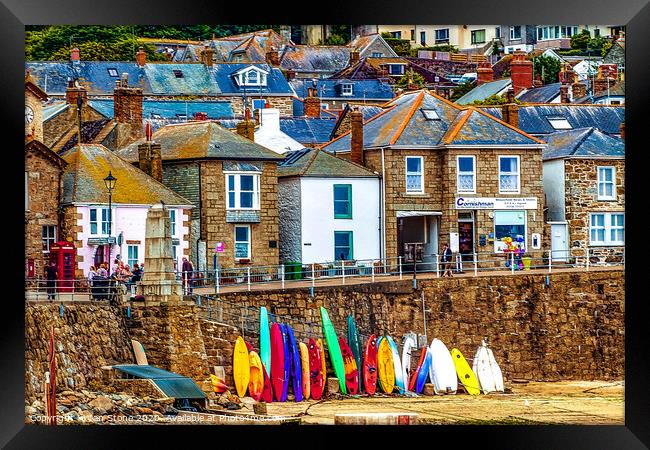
(219, 341)
(284, 104)
(35, 128)
(581, 199)
(289, 198)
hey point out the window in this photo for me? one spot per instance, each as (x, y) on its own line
(423, 38)
(178, 73)
(343, 245)
(346, 89)
(559, 123)
(377, 54)
(132, 255)
(49, 237)
(607, 229)
(243, 191)
(478, 37)
(259, 104)
(343, 201)
(442, 35)
(465, 168)
(515, 32)
(252, 77)
(607, 183)
(172, 221)
(430, 114)
(414, 175)
(242, 242)
(396, 69)
(509, 224)
(396, 34)
(99, 220)
(497, 32)
(508, 174)
(413, 35)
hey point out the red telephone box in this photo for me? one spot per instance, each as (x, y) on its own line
(63, 253)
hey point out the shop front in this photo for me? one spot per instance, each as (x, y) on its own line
(417, 235)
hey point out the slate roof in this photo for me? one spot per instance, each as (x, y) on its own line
(201, 140)
(89, 131)
(582, 143)
(362, 43)
(618, 90)
(367, 111)
(83, 180)
(403, 123)
(533, 119)
(55, 108)
(276, 83)
(315, 58)
(310, 162)
(329, 89)
(170, 109)
(484, 91)
(542, 94)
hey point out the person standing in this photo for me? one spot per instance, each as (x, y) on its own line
(187, 269)
(51, 274)
(446, 260)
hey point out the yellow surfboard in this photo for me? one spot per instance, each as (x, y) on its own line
(241, 367)
(304, 362)
(319, 342)
(465, 373)
(256, 381)
(386, 367)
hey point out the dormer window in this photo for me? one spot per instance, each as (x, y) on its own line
(559, 123)
(251, 76)
(346, 89)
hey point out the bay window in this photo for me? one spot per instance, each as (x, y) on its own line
(243, 191)
(508, 174)
(607, 229)
(607, 183)
(414, 174)
(242, 242)
(510, 224)
(466, 179)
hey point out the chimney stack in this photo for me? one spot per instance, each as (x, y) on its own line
(74, 55)
(356, 137)
(354, 57)
(141, 57)
(73, 91)
(291, 75)
(623, 130)
(127, 111)
(578, 90)
(510, 111)
(246, 128)
(208, 56)
(150, 159)
(521, 72)
(312, 103)
(484, 73)
(564, 93)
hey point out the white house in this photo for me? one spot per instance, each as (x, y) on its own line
(269, 135)
(329, 209)
(85, 201)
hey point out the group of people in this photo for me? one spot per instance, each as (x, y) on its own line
(99, 277)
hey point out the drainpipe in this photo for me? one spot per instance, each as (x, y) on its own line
(383, 207)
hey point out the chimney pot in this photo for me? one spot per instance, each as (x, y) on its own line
(141, 57)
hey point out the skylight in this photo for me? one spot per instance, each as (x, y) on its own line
(112, 72)
(559, 123)
(178, 73)
(430, 114)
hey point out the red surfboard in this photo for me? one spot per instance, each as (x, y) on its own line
(277, 361)
(267, 393)
(350, 365)
(414, 375)
(370, 365)
(250, 347)
(316, 380)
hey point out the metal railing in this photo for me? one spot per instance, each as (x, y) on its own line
(100, 289)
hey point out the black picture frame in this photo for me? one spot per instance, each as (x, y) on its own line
(635, 14)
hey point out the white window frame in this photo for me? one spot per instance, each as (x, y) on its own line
(129, 259)
(378, 54)
(172, 221)
(558, 123)
(518, 173)
(441, 39)
(607, 227)
(601, 182)
(347, 89)
(50, 239)
(245, 79)
(459, 173)
(512, 32)
(100, 223)
(249, 242)
(237, 190)
(407, 173)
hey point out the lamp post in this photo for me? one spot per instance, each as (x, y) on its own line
(110, 181)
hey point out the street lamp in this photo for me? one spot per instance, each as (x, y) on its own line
(110, 181)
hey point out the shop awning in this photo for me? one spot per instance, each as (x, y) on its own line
(418, 213)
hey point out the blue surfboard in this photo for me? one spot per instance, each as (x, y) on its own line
(423, 374)
(287, 362)
(295, 365)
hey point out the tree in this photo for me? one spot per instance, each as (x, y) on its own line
(411, 77)
(548, 68)
(335, 39)
(493, 100)
(581, 40)
(462, 89)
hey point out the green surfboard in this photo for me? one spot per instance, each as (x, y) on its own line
(355, 346)
(333, 348)
(265, 340)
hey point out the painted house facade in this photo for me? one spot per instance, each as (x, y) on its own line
(449, 174)
(100, 234)
(584, 181)
(329, 209)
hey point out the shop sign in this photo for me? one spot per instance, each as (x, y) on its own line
(496, 203)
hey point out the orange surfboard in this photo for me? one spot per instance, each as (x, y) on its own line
(256, 381)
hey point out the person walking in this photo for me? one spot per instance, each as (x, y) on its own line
(446, 260)
(51, 274)
(187, 269)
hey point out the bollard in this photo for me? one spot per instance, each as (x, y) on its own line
(399, 262)
(475, 265)
(550, 261)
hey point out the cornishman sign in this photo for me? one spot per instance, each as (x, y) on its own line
(495, 203)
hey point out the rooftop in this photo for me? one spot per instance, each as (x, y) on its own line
(484, 91)
(582, 143)
(310, 162)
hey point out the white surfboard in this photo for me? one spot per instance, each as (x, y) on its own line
(496, 371)
(442, 370)
(408, 344)
(487, 370)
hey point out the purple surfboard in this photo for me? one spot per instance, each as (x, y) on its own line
(296, 365)
(287, 362)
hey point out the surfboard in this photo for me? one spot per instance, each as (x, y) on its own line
(304, 363)
(287, 361)
(218, 384)
(267, 393)
(370, 365)
(277, 374)
(350, 365)
(414, 374)
(399, 374)
(296, 365)
(334, 349)
(442, 370)
(423, 373)
(241, 369)
(316, 379)
(386, 366)
(140, 356)
(357, 351)
(323, 359)
(408, 344)
(256, 381)
(465, 374)
(496, 371)
(482, 368)
(265, 339)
